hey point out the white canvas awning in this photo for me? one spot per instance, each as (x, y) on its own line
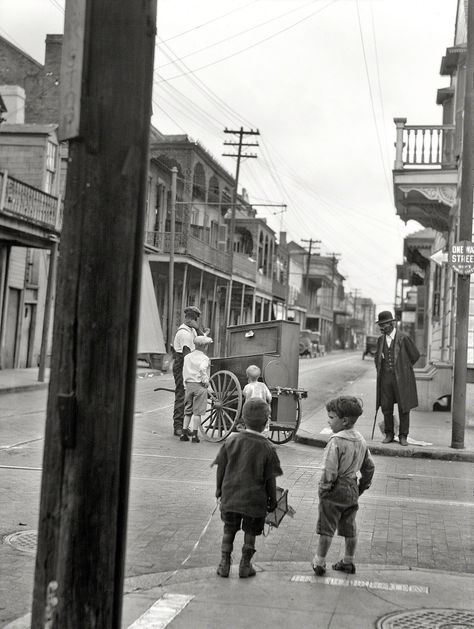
(150, 334)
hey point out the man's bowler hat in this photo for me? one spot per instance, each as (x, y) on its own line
(192, 310)
(385, 317)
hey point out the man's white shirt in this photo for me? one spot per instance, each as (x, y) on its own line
(390, 337)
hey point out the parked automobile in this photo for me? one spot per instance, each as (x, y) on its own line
(310, 343)
(370, 346)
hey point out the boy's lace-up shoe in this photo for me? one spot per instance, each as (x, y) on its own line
(319, 571)
(349, 568)
(195, 438)
(184, 435)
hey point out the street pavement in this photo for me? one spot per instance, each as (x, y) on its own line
(415, 565)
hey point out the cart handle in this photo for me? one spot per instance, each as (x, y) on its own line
(299, 393)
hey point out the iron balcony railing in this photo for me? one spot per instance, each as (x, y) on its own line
(424, 145)
(279, 290)
(244, 266)
(185, 244)
(30, 203)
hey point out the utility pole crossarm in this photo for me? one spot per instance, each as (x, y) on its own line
(241, 144)
(239, 156)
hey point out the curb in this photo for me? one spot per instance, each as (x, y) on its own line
(407, 452)
(24, 387)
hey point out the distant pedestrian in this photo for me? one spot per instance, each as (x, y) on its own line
(394, 358)
(196, 371)
(247, 467)
(183, 343)
(345, 455)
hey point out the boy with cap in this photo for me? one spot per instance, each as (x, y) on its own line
(345, 455)
(196, 369)
(183, 343)
(247, 467)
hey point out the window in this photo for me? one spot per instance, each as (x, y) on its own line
(199, 182)
(51, 155)
(437, 293)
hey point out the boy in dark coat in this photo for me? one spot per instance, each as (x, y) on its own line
(394, 359)
(247, 466)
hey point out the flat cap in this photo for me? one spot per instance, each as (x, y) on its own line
(202, 341)
(192, 310)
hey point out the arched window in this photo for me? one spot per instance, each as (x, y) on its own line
(213, 194)
(199, 182)
(260, 252)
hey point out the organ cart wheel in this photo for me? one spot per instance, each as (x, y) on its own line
(283, 434)
(224, 406)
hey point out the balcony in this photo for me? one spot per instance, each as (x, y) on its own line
(28, 215)
(186, 244)
(264, 283)
(279, 290)
(321, 311)
(425, 173)
(298, 300)
(244, 267)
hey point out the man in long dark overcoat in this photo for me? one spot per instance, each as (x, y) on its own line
(394, 359)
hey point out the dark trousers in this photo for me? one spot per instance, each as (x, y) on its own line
(178, 412)
(388, 397)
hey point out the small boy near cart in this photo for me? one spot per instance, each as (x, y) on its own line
(247, 467)
(196, 368)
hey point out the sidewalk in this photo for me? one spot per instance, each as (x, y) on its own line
(288, 594)
(17, 380)
(432, 429)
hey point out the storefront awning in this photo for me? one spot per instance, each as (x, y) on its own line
(150, 334)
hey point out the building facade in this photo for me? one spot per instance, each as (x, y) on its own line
(426, 176)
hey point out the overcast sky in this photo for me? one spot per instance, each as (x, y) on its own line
(322, 80)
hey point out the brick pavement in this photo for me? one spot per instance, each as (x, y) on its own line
(418, 513)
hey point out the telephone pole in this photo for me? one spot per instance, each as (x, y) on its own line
(310, 242)
(241, 133)
(334, 256)
(465, 233)
(108, 76)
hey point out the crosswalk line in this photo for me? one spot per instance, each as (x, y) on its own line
(162, 612)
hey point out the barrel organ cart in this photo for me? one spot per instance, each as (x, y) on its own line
(274, 347)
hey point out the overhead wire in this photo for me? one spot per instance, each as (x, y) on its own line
(374, 116)
(204, 89)
(379, 82)
(257, 43)
(214, 19)
(238, 34)
(12, 39)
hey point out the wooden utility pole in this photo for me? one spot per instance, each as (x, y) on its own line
(310, 242)
(174, 178)
(86, 465)
(334, 257)
(465, 233)
(239, 155)
(48, 306)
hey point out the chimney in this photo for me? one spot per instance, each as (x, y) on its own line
(52, 56)
(14, 99)
(283, 239)
(49, 101)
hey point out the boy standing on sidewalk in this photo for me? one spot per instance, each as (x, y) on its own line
(345, 455)
(247, 466)
(196, 369)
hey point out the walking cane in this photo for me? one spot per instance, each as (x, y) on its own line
(375, 419)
